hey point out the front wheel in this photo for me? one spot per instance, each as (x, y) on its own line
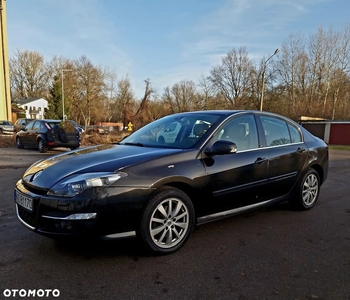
(307, 193)
(167, 221)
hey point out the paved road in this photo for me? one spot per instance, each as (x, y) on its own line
(272, 253)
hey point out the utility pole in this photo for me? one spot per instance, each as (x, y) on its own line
(62, 74)
(263, 79)
(5, 96)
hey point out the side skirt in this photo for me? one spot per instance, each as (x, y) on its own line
(236, 211)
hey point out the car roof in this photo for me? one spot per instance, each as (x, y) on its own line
(48, 120)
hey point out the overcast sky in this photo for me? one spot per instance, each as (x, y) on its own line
(164, 41)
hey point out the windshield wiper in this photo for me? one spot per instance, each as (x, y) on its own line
(134, 144)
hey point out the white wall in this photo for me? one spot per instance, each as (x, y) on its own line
(39, 104)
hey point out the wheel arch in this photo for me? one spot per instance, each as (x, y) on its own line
(183, 185)
(319, 170)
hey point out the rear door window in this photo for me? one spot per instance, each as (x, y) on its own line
(294, 134)
(276, 131)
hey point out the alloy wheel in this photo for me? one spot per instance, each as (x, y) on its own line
(310, 189)
(169, 223)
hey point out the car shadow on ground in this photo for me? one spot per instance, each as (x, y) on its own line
(93, 248)
(99, 247)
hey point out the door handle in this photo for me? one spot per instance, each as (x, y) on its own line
(260, 160)
(301, 150)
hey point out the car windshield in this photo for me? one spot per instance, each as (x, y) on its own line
(6, 123)
(52, 124)
(179, 131)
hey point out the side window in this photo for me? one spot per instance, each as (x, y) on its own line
(295, 134)
(29, 126)
(276, 131)
(36, 125)
(240, 130)
(42, 127)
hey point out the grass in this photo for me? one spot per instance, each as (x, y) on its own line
(339, 147)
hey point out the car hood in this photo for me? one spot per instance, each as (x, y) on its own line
(7, 126)
(104, 158)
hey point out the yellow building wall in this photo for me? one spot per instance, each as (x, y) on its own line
(5, 97)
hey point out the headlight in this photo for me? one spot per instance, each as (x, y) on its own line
(76, 184)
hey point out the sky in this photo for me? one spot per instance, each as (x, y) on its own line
(164, 41)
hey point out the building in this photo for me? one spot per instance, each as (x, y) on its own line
(5, 97)
(35, 108)
(332, 132)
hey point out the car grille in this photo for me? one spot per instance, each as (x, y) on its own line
(29, 217)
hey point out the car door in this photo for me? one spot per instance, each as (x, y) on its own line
(235, 179)
(32, 134)
(286, 152)
(25, 134)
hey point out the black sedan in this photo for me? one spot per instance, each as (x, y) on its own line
(48, 134)
(219, 164)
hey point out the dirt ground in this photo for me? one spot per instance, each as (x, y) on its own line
(8, 141)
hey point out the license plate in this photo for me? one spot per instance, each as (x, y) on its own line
(24, 201)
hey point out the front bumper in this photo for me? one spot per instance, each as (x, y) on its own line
(5, 131)
(106, 211)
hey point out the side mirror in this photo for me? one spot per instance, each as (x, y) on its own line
(222, 147)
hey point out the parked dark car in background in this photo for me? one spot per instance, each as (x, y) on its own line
(6, 127)
(220, 163)
(21, 123)
(47, 134)
(81, 129)
(91, 129)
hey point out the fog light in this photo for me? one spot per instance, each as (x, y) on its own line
(87, 216)
(83, 216)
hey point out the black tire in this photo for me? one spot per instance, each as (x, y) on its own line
(19, 143)
(41, 146)
(167, 221)
(307, 192)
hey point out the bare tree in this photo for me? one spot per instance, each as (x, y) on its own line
(341, 78)
(111, 92)
(143, 114)
(181, 97)
(206, 94)
(232, 79)
(85, 91)
(124, 101)
(30, 75)
(291, 71)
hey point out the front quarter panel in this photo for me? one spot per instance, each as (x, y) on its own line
(180, 168)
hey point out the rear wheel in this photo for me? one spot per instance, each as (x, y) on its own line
(167, 221)
(42, 147)
(307, 194)
(19, 143)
